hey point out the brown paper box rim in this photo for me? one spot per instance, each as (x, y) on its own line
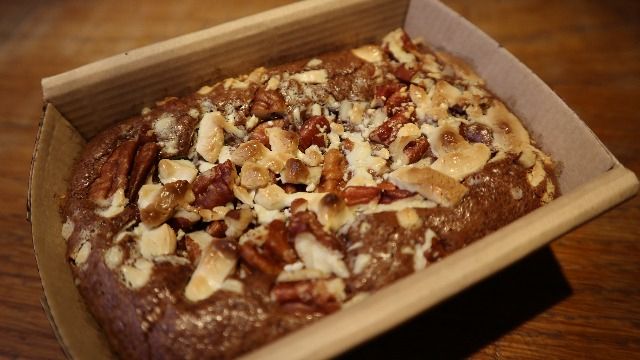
(591, 191)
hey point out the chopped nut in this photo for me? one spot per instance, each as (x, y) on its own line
(313, 132)
(311, 76)
(214, 187)
(237, 222)
(282, 141)
(254, 176)
(137, 275)
(268, 103)
(316, 256)
(354, 195)
(158, 204)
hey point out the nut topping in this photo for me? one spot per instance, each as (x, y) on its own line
(114, 172)
(313, 132)
(268, 103)
(144, 161)
(158, 204)
(214, 187)
(214, 267)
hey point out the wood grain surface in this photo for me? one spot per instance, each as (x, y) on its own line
(578, 298)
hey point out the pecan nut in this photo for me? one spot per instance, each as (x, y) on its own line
(143, 163)
(390, 193)
(215, 187)
(277, 242)
(257, 259)
(404, 74)
(417, 149)
(312, 132)
(333, 170)
(114, 172)
(259, 133)
(354, 195)
(216, 229)
(268, 103)
(387, 131)
(307, 221)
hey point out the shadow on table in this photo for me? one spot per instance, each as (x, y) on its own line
(476, 317)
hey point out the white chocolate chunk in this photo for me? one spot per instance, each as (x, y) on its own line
(137, 275)
(174, 170)
(316, 256)
(113, 257)
(429, 183)
(311, 76)
(158, 241)
(210, 136)
(213, 268)
(368, 53)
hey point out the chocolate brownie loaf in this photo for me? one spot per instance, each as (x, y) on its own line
(214, 223)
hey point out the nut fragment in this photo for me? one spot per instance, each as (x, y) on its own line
(254, 176)
(296, 172)
(268, 103)
(237, 221)
(313, 132)
(259, 133)
(386, 133)
(354, 195)
(214, 187)
(137, 275)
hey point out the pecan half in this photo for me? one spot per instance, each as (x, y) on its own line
(333, 170)
(386, 133)
(259, 133)
(144, 161)
(215, 187)
(114, 172)
(395, 102)
(268, 103)
(354, 195)
(312, 132)
(306, 221)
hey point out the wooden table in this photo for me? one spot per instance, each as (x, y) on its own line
(578, 298)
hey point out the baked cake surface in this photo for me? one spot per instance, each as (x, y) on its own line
(217, 222)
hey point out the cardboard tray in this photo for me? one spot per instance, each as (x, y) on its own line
(83, 101)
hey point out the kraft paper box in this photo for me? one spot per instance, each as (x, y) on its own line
(81, 102)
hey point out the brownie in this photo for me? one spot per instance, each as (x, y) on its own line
(217, 222)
